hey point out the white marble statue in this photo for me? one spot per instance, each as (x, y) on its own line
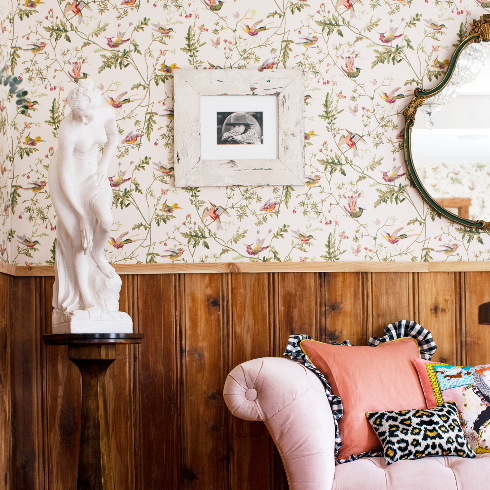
(86, 288)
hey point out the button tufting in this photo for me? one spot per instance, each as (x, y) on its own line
(251, 394)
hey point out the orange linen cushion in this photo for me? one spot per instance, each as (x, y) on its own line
(368, 379)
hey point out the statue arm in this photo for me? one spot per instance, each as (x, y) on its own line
(112, 141)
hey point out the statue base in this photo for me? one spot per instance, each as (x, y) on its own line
(94, 320)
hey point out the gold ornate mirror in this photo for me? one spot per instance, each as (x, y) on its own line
(447, 134)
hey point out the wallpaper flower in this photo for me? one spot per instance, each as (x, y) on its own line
(362, 60)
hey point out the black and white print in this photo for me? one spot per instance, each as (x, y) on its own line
(239, 128)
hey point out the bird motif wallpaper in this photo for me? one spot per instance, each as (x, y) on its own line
(362, 60)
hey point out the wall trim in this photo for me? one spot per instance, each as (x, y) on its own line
(236, 267)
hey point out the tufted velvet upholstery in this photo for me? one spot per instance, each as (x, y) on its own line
(290, 400)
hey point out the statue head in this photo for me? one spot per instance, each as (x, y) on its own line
(84, 99)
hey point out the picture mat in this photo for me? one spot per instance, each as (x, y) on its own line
(212, 104)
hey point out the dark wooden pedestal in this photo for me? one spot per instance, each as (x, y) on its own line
(93, 354)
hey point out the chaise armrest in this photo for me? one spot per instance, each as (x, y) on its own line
(291, 401)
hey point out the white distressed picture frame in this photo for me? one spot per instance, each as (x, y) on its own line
(192, 171)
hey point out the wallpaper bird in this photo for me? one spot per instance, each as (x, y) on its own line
(308, 41)
(349, 5)
(32, 141)
(76, 8)
(173, 254)
(267, 65)
(117, 40)
(302, 237)
(311, 181)
(118, 102)
(448, 249)
(257, 248)
(350, 70)
(161, 168)
(433, 25)
(393, 175)
(391, 98)
(396, 236)
(35, 186)
(120, 241)
(351, 140)
(254, 29)
(270, 205)
(214, 212)
(169, 208)
(76, 73)
(36, 48)
(214, 5)
(161, 29)
(388, 39)
(28, 242)
(131, 138)
(119, 180)
(353, 210)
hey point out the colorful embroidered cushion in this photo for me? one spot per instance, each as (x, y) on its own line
(414, 434)
(469, 387)
(367, 379)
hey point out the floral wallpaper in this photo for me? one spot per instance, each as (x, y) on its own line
(362, 61)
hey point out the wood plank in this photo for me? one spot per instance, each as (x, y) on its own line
(477, 291)
(297, 297)
(249, 442)
(5, 421)
(254, 267)
(61, 407)
(391, 299)
(269, 267)
(26, 385)
(344, 308)
(438, 312)
(120, 403)
(204, 415)
(159, 443)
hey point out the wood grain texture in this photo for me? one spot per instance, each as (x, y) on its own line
(204, 419)
(344, 308)
(392, 299)
(477, 291)
(26, 385)
(439, 312)
(250, 338)
(267, 267)
(158, 457)
(168, 423)
(5, 421)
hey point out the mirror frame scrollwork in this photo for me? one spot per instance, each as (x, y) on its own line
(480, 32)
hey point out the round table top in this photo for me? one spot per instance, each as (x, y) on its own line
(92, 338)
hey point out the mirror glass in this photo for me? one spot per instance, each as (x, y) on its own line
(450, 139)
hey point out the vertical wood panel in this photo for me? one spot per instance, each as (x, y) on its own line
(392, 299)
(158, 449)
(61, 408)
(438, 312)
(5, 422)
(297, 312)
(477, 336)
(120, 403)
(204, 420)
(26, 386)
(344, 308)
(250, 443)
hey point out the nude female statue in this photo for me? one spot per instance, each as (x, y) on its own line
(86, 286)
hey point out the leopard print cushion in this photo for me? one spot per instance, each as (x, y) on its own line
(414, 434)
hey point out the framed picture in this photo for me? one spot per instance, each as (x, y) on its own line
(238, 127)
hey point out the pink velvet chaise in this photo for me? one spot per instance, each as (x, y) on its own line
(291, 401)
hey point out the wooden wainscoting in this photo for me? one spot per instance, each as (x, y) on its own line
(170, 428)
